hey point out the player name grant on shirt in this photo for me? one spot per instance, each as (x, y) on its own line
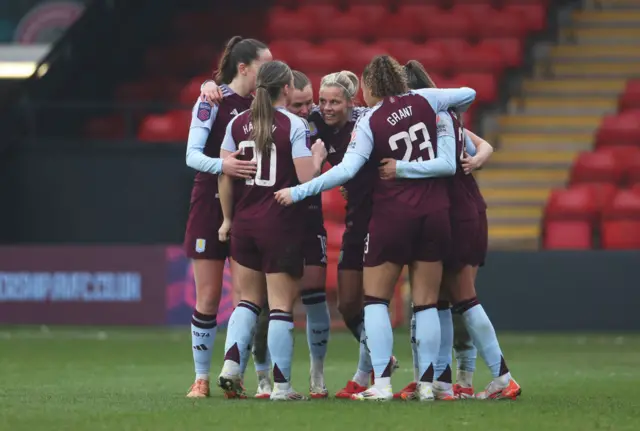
(247, 128)
(400, 114)
(70, 286)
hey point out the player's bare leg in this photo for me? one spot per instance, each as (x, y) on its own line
(208, 278)
(379, 284)
(241, 328)
(283, 291)
(314, 299)
(484, 337)
(261, 357)
(425, 279)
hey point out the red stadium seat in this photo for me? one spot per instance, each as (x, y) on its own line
(170, 127)
(479, 59)
(400, 24)
(630, 99)
(602, 192)
(362, 56)
(575, 203)
(370, 14)
(283, 49)
(316, 59)
(447, 24)
(620, 234)
(633, 170)
(596, 167)
(635, 188)
(322, 13)
(500, 24)
(401, 49)
(484, 83)
(624, 205)
(286, 24)
(335, 229)
(333, 205)
(510, 49)
(344, 25)
(533, 14)
(621, 129)
(567, 235)
(191, 91)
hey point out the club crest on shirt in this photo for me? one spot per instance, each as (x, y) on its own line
(204, 111)
(201, 245)
(313, 130)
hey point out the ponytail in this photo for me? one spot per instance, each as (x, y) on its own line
(238, 50)
(272, 77)
(417, 76)
(262, 118)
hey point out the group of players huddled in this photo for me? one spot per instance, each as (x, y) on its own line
(405, 165)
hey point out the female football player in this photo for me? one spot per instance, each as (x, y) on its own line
(313, 290)
(237, 78)
(266, 239)
(410, 220)
(469, 241)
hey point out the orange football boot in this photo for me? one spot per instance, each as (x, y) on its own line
(463, 393)
(495, 392)
(199, 389)
(407, 393)
(350, 389)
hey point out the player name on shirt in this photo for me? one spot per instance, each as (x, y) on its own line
(249, 127)
(400, 114)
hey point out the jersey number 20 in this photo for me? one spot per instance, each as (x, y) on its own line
(411, 136)
(260, 180)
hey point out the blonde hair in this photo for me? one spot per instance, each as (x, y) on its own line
(271, 79)
(344, 79)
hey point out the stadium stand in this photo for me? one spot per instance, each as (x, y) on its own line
(565, 111)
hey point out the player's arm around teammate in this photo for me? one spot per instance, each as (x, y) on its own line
(236, 75)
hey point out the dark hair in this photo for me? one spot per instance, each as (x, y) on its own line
(272, 77)
(385, 77)
(417, 76)
(300, 80)
(238, 50)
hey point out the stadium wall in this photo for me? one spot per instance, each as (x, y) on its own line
(153, 285)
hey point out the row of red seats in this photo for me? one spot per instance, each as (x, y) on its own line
(411, 22)
(615, 164)
(573, 217)
(438, 55)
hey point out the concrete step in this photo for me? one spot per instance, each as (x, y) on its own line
(554, 105)
(602, 36)
(549, 142)
(549, 123)
(573, 52)
(514, 215)
(606, 18)
(588, 70)
(509, 178)
(521, 196)
(514, 237)
(565, 88)
(532, 159)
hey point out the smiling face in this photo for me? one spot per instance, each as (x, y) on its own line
(301, 102)
(334, 106)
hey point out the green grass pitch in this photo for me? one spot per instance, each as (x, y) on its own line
(136, 379)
